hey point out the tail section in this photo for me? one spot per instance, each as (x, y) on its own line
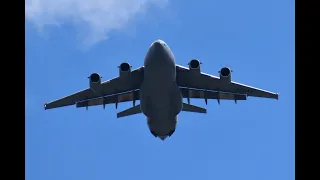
(192, 108)
(131, 111)
(136, 110)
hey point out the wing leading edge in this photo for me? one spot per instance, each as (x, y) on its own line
(205, 82)
(110, 89)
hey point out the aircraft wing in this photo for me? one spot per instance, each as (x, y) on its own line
(111, 99)
(208, 82)
(208, 94)
(111, 87)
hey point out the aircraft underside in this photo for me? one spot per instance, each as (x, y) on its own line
(160, 85)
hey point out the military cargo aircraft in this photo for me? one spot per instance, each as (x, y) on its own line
(160, 85)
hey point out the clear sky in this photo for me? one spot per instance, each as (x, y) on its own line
(68, 40)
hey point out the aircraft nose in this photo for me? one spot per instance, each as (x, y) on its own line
(157, 53)
(157, 45)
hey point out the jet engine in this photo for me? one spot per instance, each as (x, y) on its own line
(95, 82)
(194, 65)
(225, 75)
(124, 70)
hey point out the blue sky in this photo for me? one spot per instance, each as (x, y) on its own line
(68, 40)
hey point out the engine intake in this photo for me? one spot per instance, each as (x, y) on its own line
(124, 66)
(124, 70)
(95, 82)
(95, 78)
(225, 75)
(194, 65)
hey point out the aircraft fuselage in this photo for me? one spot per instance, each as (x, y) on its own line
(160, 96)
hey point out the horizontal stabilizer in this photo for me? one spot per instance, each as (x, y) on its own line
(131, 111)
(192, 108)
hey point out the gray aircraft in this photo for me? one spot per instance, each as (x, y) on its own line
(160, 85)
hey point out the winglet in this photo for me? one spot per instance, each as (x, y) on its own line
(45, 106)
(277, 97)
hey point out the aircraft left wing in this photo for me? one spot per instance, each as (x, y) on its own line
(202, 81)
(111, 99)
(111, 87)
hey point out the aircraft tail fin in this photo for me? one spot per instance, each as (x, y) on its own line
(193, 108)
(131, 111)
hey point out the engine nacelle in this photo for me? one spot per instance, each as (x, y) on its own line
(225, 75)
(124, 71)
(194, 65)
(95, 82)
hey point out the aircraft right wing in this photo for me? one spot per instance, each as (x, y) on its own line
(201, 94)
(204, 82)
(114, 86)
